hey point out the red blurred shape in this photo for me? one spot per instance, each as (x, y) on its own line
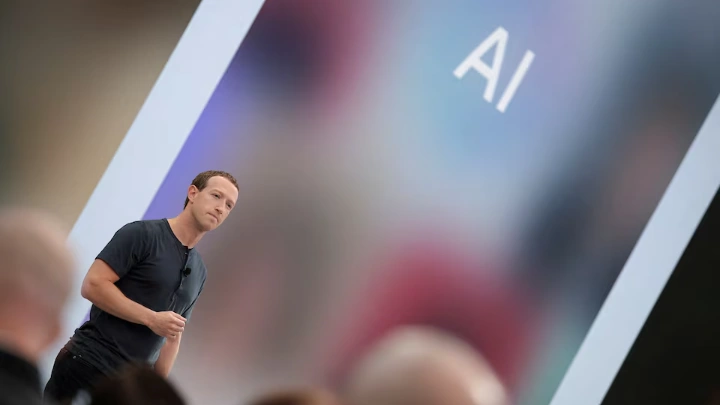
(428, 283)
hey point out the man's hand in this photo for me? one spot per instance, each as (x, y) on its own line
(167, 324)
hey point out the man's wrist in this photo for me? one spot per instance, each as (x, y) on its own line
(147, 317)
(174, 340)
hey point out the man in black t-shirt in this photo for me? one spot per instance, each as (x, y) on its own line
(143, 286)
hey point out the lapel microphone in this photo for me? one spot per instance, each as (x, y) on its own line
(187, 271)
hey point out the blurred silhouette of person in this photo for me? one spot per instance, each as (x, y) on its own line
(423, 366)
(135, 384)
(714, 398)
(298, 397)
(35, 283)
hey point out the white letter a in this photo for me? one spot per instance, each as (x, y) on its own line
(499, 37)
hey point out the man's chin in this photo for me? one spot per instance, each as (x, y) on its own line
(207, 226)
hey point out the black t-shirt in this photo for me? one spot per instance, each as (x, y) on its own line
(157, 271)
(19, 381)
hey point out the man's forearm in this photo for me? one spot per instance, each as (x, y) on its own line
(106, 296)
(167, 356)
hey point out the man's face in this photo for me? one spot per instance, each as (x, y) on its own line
(211, 205)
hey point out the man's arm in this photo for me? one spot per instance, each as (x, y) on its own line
(99, 288)
(167, 356)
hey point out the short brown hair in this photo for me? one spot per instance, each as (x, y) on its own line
(200, 181)
(298, 397)
(135, 384)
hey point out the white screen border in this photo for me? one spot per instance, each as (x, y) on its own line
(156, 137)
(646, 272)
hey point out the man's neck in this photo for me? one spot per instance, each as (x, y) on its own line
(185, 229)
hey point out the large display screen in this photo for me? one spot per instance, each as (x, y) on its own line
(485, 168)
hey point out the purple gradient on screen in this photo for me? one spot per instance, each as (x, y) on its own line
(203, 146)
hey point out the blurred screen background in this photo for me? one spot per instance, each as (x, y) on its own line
(377, 190)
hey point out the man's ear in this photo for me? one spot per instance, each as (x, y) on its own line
(192, 193)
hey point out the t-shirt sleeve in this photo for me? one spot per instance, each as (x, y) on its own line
(188, 312)
(127, 248)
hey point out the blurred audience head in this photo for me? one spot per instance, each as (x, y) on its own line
(36, 278)
(423, 366)
(135, 385)
(298, 397)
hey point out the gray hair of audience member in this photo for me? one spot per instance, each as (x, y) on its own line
(36, 277)
(423, 366)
